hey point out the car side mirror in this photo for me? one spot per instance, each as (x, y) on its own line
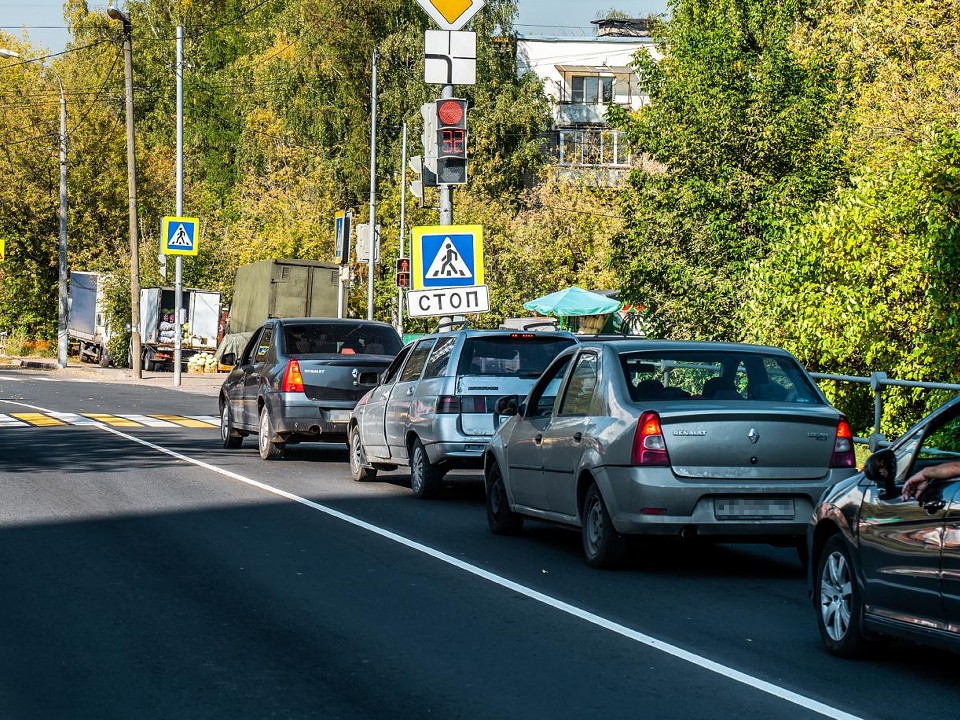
(228, 359)
(506, 406)
(881, 468)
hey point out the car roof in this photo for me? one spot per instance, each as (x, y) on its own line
(630, 345)
(500, 332)
(328, 321)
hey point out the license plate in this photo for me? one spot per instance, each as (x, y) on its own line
(753, 508)
(338, 416)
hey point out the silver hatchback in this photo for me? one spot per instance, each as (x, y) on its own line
(433, 408)
(625, 438)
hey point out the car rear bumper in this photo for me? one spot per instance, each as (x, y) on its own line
(655, 501)
(308, 419)
(461, 454)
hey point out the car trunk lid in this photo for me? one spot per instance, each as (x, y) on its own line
(344, 378)
(770, 443)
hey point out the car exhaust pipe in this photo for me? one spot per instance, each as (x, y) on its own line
(688, 533)
(314, 429)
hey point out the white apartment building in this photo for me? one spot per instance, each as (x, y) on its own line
(582, 76)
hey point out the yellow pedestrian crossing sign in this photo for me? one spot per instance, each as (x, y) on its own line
(447, 256)
(179, 236)
(3, 249)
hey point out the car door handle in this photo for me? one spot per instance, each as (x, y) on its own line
(577, 437)
(411, 391)
(538, 439)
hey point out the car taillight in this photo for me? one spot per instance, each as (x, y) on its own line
(453, 404)
(649, 447)
(447, 404)
(292, 379)
(843, 456)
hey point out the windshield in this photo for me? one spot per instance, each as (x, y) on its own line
(342, 338)
(517, 354)
(717, 375)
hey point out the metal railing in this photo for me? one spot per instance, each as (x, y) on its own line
(877, 382)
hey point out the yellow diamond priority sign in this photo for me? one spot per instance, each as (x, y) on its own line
(451, 14)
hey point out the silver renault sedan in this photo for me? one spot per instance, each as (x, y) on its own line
(626, 437)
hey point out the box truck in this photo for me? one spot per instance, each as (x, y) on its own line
(200, 324)
(282, 288)
(87, 327)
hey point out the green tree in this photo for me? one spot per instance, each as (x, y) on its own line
(734, 130)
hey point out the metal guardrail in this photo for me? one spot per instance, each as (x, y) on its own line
(877, 382)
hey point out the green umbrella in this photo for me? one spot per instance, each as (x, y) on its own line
(572, 302)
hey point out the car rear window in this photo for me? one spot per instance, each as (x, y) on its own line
(717, 375)
(332, 338)
(517, 354)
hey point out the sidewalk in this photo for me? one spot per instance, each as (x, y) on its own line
(200, 383)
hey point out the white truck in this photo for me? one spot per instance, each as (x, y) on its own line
(200, 324)
(87, 327)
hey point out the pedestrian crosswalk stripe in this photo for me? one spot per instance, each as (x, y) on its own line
(38, 419)
(185, 421)
(73, 418)
(149, 421)
(52, 419)
(113, 420)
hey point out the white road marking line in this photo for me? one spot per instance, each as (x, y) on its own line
(149, 421)
(7, 421)
(11, 379)
(585, 615)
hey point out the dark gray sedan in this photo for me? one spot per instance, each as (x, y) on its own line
(620, 438)
(297, 380)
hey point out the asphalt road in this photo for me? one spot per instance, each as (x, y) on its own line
(149, 573)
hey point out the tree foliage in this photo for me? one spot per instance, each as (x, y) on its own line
(736, 128)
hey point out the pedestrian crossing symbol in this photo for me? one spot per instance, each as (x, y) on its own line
(447, 256)
(179, 236)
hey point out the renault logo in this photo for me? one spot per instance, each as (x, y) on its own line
(754, 436)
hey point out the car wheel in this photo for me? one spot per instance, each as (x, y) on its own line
(501, 519)
(357, 458)
(269, 449)
(424, 476)
(228, 435)
(840, 605)
(603, 546)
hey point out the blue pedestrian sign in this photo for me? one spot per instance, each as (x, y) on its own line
(179, 236)
(447, 256)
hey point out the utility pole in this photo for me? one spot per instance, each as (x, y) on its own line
(135, 347)
(373, 186)
(403, 220)
(178, 285)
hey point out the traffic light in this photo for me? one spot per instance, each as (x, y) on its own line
(403, 272)
(451, 115)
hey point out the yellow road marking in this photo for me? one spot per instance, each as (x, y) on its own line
(112, 420)
(181, 420)
(38, 419)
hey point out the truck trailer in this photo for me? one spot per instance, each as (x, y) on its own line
(283, 288)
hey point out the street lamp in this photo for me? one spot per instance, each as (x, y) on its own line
(62, 339)
(135, 359)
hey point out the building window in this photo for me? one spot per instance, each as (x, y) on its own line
(591, 90)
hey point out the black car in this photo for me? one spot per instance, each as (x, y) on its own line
(297, 380)
(881, 565)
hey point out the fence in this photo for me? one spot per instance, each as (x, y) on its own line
(877, 382)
